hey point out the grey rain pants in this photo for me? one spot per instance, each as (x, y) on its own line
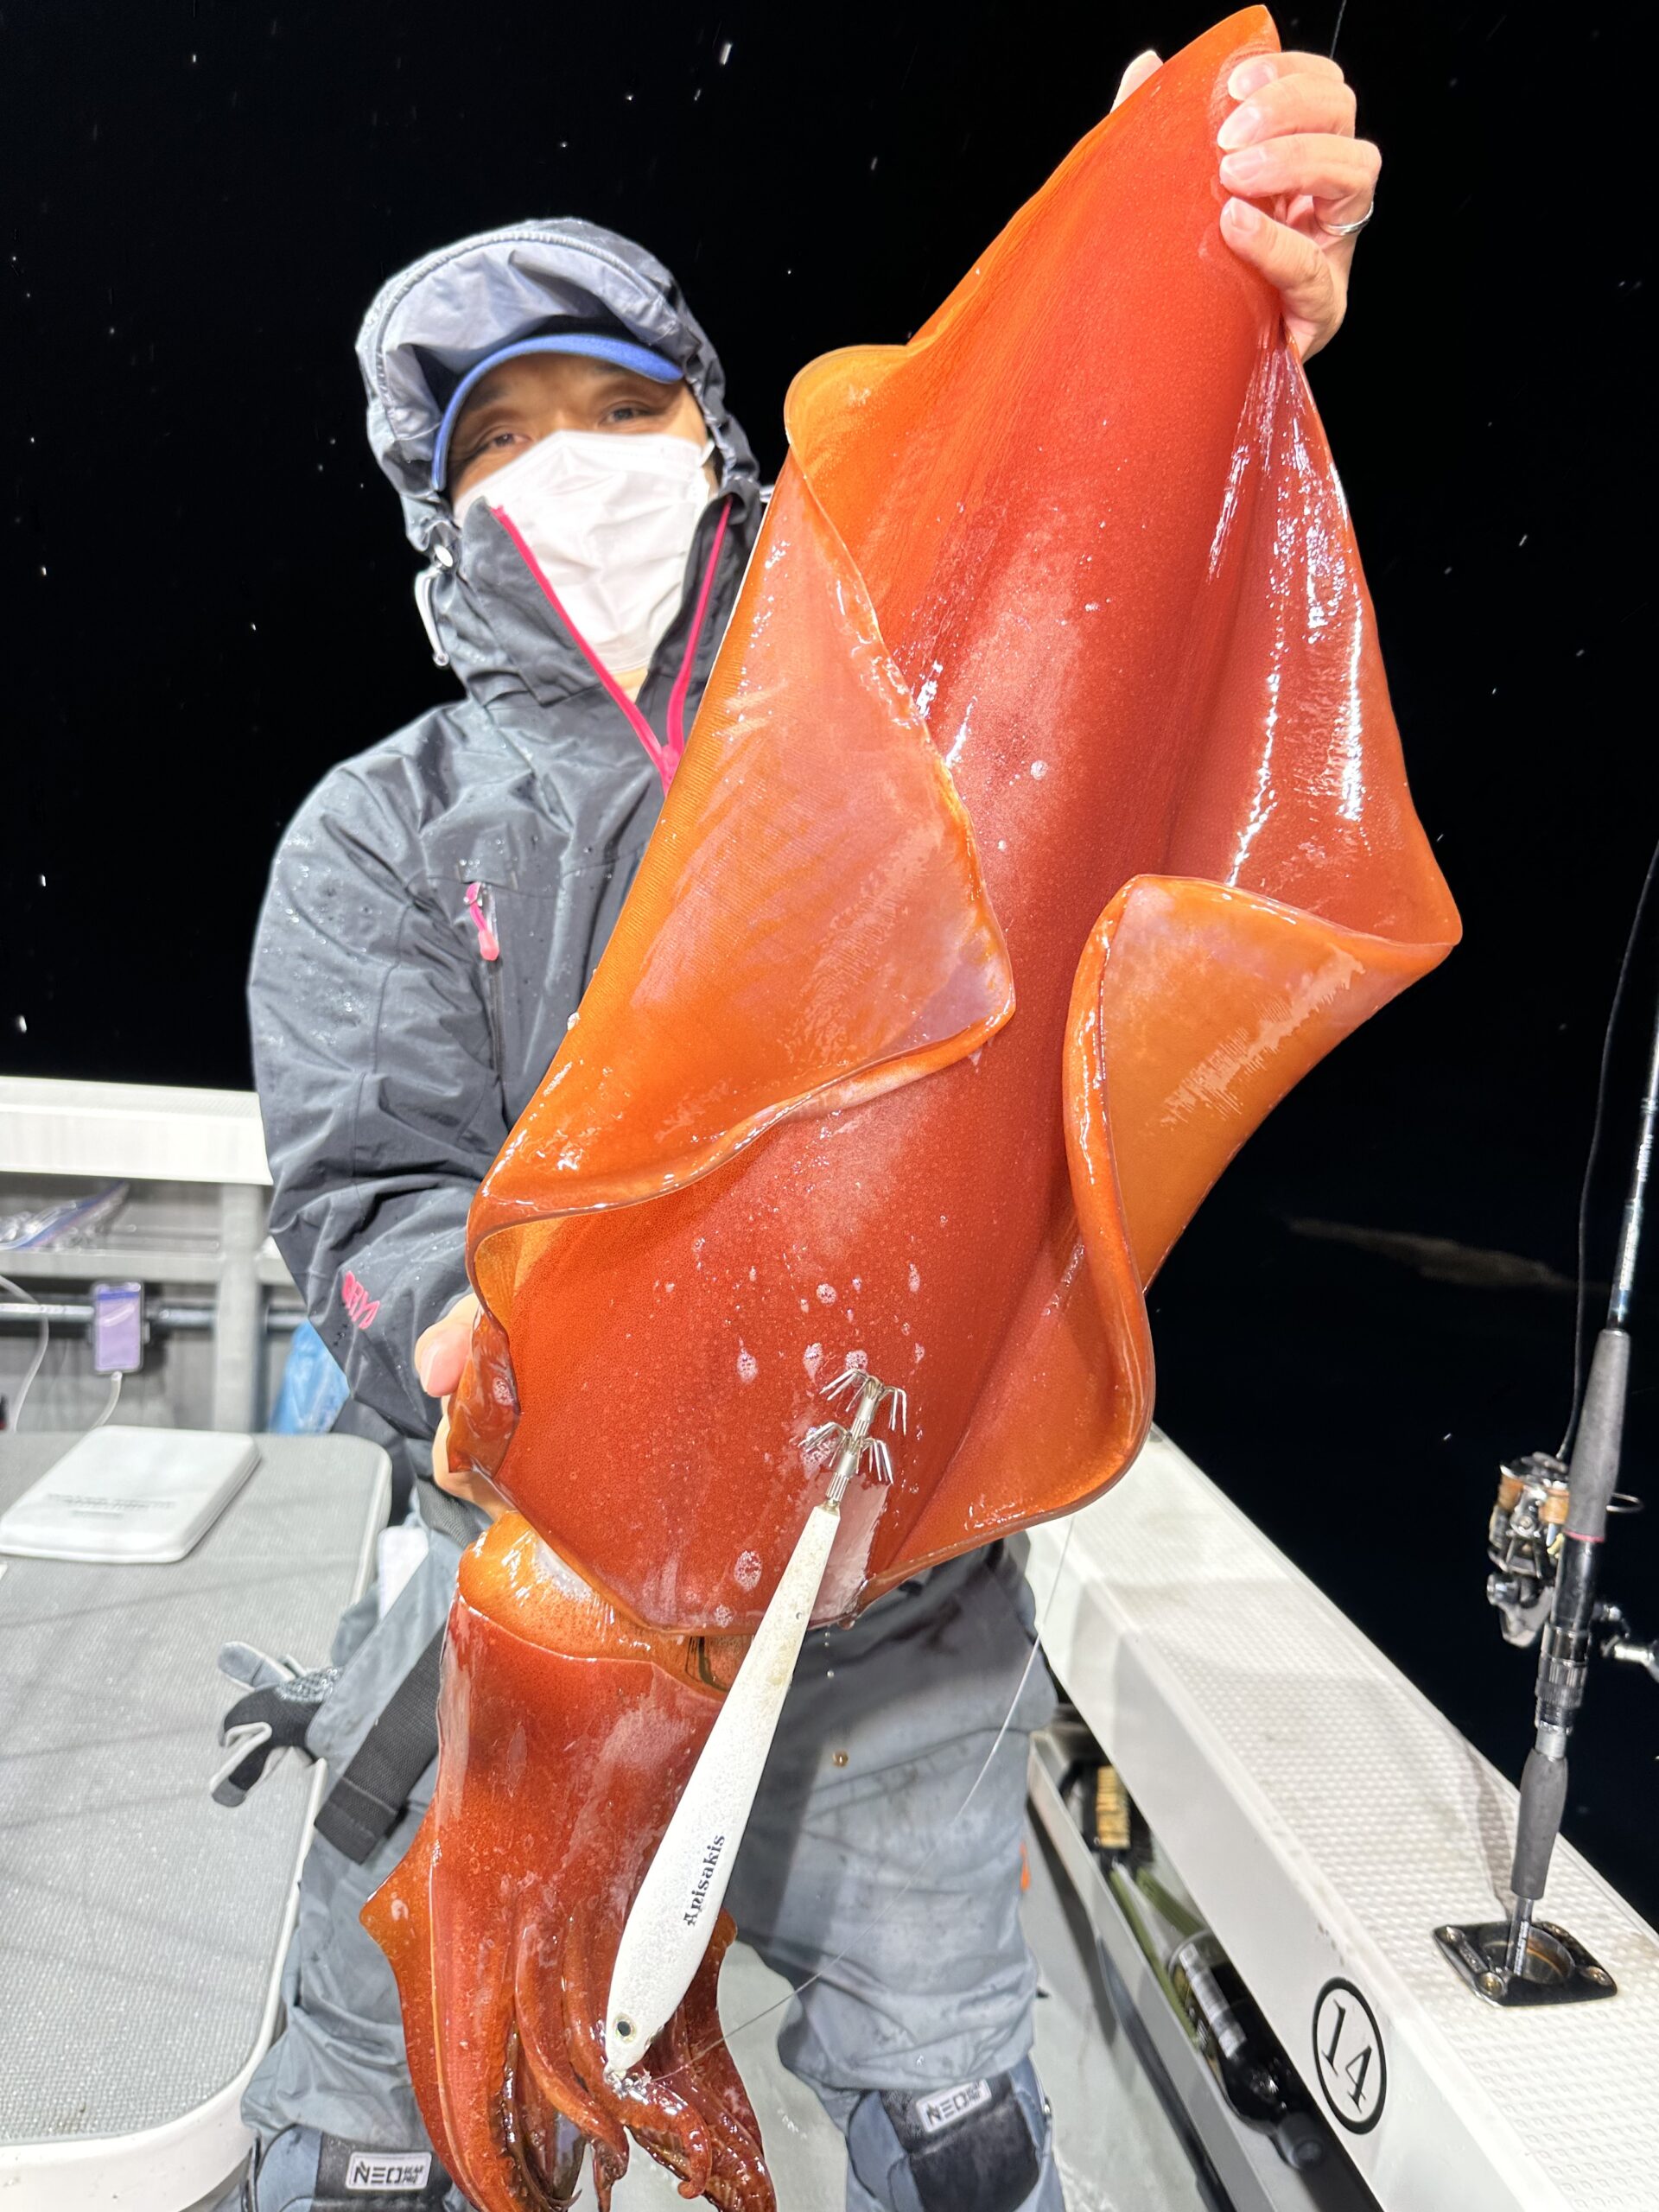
(889, 1721)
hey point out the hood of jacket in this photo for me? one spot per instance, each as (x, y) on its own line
(447, 311)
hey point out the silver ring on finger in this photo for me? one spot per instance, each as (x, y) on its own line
(1347, 230)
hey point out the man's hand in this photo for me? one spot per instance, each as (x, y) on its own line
(1290, 146)
(440, 1361)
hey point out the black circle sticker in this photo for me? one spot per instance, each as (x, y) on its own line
(1348, 2057)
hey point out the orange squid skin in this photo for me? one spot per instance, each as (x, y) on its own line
(1044, 822)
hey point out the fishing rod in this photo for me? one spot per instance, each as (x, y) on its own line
(1545, 1542)
(1567, 1642)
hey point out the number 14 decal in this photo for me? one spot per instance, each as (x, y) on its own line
(1347, 2054)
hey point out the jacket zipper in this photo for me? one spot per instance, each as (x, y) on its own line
(480, 905)
(664, 756)
(677, 697)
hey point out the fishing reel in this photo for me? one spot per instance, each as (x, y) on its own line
(1523, 1543)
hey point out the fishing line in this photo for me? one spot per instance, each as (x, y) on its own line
(1607, 1036)
(33, 1367)
(927, 1858)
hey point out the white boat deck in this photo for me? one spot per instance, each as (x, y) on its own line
(1326, 1820)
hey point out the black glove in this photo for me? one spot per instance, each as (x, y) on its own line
(281, 1702)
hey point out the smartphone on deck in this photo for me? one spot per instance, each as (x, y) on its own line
(118, 1328)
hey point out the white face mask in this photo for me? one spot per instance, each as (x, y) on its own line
(610, 519)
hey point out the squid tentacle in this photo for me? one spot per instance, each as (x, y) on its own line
(666, 2121)
(540, 1971)
(546, 2148)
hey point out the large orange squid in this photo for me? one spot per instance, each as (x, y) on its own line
(1044, 820)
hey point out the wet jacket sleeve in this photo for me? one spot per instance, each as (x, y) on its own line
(378, 1085)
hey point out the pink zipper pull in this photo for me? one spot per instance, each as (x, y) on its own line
(489, 945)
(665, 757)
(675, 746)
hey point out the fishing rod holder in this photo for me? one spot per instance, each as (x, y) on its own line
(1553, 1967)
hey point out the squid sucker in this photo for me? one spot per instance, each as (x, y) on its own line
(1044, 822)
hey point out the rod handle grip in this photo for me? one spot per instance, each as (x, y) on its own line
(1543, 1799)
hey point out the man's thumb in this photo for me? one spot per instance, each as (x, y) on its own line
(440, 1355)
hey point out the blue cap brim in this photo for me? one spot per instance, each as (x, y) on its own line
(624, 352)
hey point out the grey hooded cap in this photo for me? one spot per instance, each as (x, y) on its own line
(452, 307)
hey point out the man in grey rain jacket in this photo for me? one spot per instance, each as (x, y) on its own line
(435, 913)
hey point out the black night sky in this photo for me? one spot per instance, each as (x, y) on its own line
(206, 601)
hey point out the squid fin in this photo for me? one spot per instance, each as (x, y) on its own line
(1195, 1009)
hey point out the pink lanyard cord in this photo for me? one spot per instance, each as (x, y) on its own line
(665, 758)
